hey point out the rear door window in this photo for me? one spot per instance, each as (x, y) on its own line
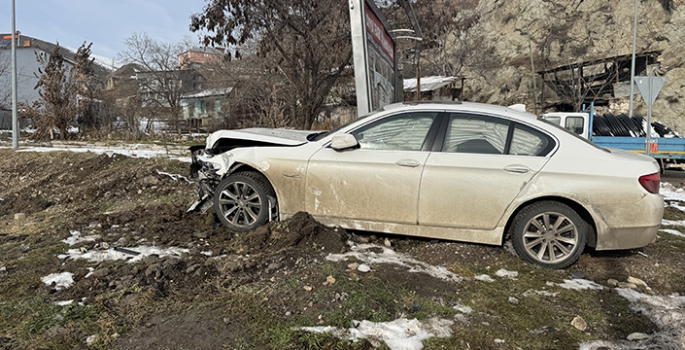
(481, 134)
(527, 141)
(470, 133)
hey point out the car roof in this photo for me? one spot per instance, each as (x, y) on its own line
(461, 106)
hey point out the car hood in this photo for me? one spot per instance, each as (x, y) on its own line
(277, 137)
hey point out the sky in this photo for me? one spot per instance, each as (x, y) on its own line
(105, 23)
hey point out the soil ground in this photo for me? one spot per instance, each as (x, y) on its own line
(252, 291)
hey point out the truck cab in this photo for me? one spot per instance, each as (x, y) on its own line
(578, 123)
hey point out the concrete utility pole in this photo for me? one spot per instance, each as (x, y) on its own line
(632, 65)
(15, 121)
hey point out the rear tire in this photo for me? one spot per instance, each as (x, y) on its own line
(549, 234)
(241, 201)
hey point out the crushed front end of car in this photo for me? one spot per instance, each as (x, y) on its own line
(207, 169)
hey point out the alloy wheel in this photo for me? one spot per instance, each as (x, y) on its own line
(550, 237)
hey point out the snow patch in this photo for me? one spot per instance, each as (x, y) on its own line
(545, 293)
(672, 193)
(484, 278)
(667, 312)
(506, 273)
(76, 238)
(577, 284)
(366, 253)
(98, 151)
(462, 308)
(62, 280)
(112, 254)
(400, 334)
(64, 302)
(673, 232)
(665, 222)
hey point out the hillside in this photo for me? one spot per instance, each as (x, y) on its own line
(492, 41)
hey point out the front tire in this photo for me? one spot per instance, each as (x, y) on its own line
(241, 201)
(550, 234)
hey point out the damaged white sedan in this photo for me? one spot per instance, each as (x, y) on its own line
(459, 171)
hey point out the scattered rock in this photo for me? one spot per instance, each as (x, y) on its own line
(612, 282)
(627, 285)
(101, 246)
(577, 275)
(353, 266)
(638, 282)
(20, 216)
(150, 180)
(154, 271)
(375, 343)
(330, 279)
(201, 234)
(363, 239)
(99, 273)
(499, 341)
(415, 306)
(579, 323)
(308, 288)
(637, 336)
(513, 301)
(91, 339)
(387, 243)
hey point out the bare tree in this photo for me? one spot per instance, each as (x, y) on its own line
(5, 79)
(307, 41)
(60, 88)
(260, 96)
(447, 27)
(161, 84)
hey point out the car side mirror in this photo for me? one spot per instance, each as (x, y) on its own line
(343, 141)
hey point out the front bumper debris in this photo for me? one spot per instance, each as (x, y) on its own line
(206, 178)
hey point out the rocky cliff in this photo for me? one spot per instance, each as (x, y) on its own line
(501, 36)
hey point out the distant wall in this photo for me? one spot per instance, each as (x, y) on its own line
(6, 121)
(26, 81)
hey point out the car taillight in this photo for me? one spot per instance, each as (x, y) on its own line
(650, 182)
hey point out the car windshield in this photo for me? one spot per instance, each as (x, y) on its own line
(320, 135)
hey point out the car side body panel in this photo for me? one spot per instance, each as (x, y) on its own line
(459, 181)
(284, 167)
(606, 185)
(365, 185)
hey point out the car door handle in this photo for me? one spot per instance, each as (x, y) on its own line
(408, 163)
(519, 169)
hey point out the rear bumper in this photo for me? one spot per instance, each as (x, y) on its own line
(631, 226)
(628, 238)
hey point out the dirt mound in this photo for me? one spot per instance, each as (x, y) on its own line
(299, 231)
